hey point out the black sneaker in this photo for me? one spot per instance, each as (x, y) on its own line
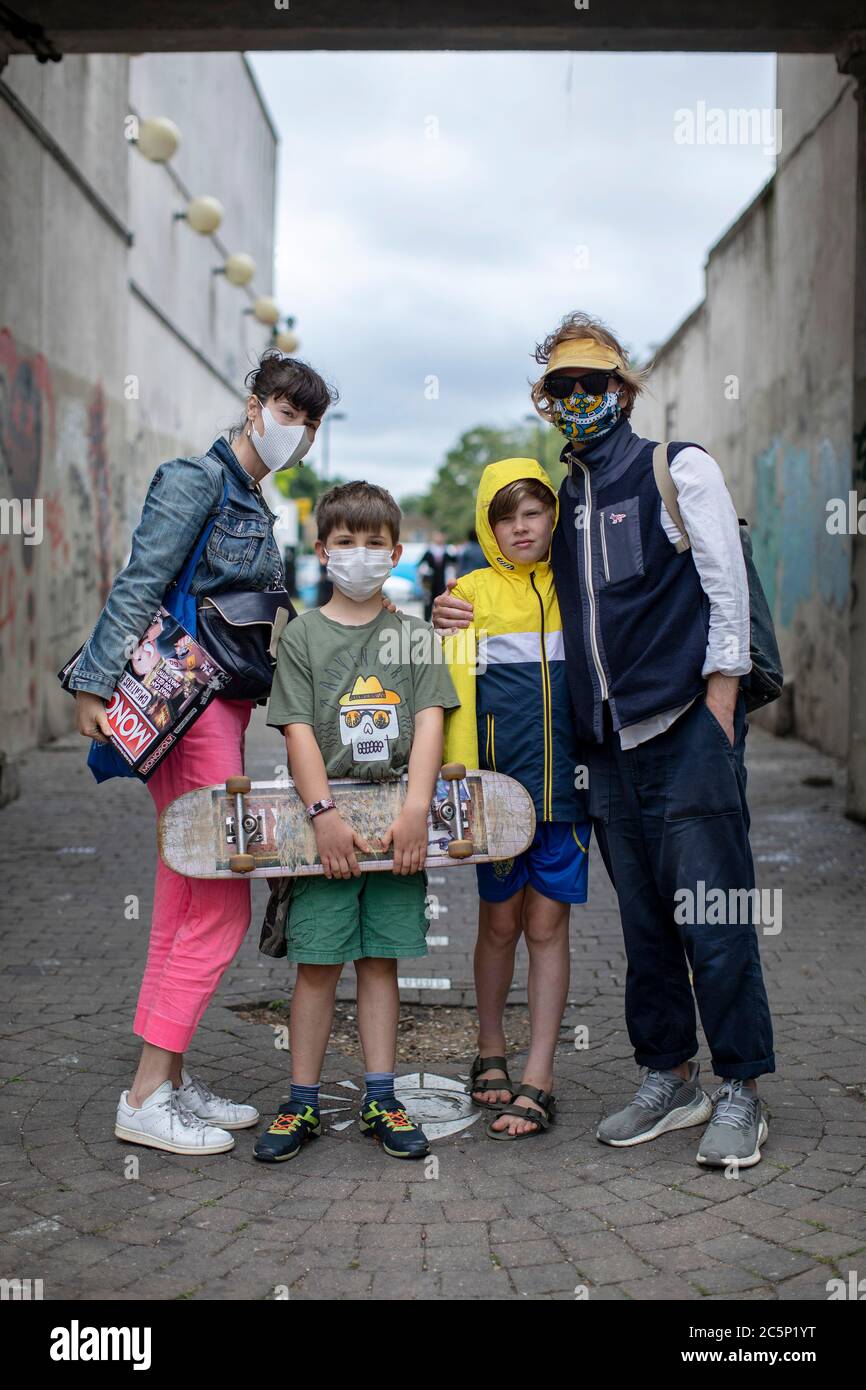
(388, 1122)
(288, 1133)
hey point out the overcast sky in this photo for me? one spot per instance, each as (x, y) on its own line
(438, 213)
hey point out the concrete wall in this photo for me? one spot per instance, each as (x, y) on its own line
(760, 375)
(63, 330)
(113, 357)
(228, 149)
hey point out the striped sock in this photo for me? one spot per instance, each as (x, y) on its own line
(305, 1095)
(380, 1084)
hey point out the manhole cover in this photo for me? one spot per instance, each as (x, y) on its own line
(440, 1104)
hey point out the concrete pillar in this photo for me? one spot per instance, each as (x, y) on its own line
(852, 60)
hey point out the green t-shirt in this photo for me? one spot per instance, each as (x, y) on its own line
(360, 688)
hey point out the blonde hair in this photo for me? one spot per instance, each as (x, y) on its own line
(582, 325)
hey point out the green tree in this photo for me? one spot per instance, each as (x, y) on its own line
(303, 482)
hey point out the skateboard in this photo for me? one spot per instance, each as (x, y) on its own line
(261, 830)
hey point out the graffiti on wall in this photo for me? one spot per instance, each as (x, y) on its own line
(27, 421)
(100, 485)
(54, 447)
(795, 555)
(74, 566)
(27, 433)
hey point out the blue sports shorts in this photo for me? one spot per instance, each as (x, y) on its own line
(555, 864)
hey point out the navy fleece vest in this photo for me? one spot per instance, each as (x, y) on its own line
(634, 616)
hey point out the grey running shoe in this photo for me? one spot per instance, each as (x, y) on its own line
(664, 1101)
(737, 1130)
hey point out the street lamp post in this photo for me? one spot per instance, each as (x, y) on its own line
(539, 436)
(326, 439)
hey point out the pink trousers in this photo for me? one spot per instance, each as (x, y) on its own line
(198, 923)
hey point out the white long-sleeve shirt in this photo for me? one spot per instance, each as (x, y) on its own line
(711, 522)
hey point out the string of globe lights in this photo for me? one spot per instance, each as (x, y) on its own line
(157, 138)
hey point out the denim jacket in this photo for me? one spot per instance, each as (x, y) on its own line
(182, 497)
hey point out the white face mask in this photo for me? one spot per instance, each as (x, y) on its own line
(281, 446)
(359, 570)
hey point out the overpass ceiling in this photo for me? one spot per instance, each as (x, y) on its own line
(55, 27)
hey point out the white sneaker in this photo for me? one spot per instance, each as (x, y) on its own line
(200, 1099)
(163, 1122)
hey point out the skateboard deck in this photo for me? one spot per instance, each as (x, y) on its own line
(197, 833)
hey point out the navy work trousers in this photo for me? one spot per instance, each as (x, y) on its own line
(673, 826)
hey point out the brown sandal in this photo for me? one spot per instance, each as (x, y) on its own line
(491, 1084)
(542, 1118)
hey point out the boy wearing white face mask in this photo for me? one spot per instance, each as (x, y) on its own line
(358, 692)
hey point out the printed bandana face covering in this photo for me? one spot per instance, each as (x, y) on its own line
(583, 417)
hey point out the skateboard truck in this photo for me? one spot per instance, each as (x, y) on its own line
(240, 863)
(253, 825)
(461, 847)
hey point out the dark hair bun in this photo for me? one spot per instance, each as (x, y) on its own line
(279, 374)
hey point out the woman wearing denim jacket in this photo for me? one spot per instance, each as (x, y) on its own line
(198, 924)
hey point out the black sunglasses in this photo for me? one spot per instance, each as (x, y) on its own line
(560, 385)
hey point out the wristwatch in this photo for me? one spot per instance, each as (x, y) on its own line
(316, 809)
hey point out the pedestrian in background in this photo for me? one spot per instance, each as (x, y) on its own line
(472, 556)
(436, 567)
(290, 569)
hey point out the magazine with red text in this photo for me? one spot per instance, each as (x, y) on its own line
(165, 685)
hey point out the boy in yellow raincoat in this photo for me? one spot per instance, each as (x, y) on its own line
(514, 717)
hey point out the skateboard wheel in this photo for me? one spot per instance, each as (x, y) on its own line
(461, 849)
(241, 863)
(237, 784)
(453, 772)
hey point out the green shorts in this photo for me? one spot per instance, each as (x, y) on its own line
(332, 920)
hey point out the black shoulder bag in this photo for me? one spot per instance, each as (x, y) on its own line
(240, 629)
(764, 682)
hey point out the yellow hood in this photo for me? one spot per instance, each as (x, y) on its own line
(496, 476)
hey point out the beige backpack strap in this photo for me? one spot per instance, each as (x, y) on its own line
(667, 488)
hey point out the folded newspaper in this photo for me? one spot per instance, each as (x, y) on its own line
(165, 685)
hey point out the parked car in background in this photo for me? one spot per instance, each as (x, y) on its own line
(307, 570)
(404, 583)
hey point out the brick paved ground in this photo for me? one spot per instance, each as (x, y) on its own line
(530, 1220)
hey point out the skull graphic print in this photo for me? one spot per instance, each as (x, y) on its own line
(368, 719)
